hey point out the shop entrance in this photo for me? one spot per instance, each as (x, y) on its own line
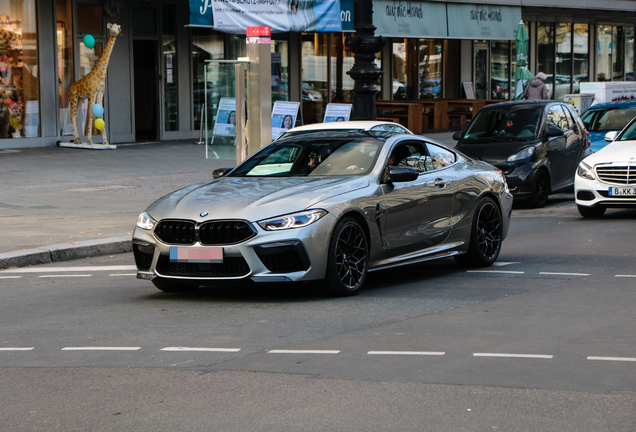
(146, 90)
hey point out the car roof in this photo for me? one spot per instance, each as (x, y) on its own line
(615, 104)
(359, 124)
(521, 102)
(335, 133)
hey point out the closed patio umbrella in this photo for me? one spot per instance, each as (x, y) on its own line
(522, 75)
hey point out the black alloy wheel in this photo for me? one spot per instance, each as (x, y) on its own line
(348, 258)
(591, 212)
(540, 185)
(486, 235)
(169, 285)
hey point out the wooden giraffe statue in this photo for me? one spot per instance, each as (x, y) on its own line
(91, 87)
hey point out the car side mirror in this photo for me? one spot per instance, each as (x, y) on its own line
(397, 174)
(554, 132)
(611, 136)
(458, 135)
(220, 172)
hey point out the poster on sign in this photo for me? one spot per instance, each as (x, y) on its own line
(337, 112)
(225, 123)
(283, 117)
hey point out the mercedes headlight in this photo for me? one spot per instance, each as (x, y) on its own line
(585, 171)
(144, 221)
(294, 220)
(523, 154)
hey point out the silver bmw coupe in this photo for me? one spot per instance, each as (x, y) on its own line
(328, 207)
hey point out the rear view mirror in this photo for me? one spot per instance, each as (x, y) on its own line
(220, 172)
(396, 174)
(458, 135)
(554, 132)
(611, 136)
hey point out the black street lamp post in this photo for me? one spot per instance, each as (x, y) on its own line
(364, 71)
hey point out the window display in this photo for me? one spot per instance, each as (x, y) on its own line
(19, 90)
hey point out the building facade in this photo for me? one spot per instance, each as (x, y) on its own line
(157, 76)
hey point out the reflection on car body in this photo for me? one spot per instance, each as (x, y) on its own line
(326, 207)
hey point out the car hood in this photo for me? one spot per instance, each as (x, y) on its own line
(251, 198)
(617, 151)
(493, 153)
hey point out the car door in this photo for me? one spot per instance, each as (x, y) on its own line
(574, 145)
(559, 170)
(418, 213)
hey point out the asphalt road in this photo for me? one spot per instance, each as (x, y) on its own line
(543, 341)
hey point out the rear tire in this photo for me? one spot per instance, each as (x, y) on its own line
(591, 212)
(540, 185)
(169, 285)
(486, 236)
(348, 259)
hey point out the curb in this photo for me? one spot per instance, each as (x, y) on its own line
(65, 252)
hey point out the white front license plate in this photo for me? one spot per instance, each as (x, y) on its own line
(196, 254)
(622, 191)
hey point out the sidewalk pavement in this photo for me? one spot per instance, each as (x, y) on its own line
(61, 204)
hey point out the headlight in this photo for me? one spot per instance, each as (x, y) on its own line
(144, 221)
(585, 171)
(523, 154)
(294, 220)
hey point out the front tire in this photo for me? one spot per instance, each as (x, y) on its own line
(348, 259)
(486, 236)
(172, 286)
(591, 212)
(540, 185)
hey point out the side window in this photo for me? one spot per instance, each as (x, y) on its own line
(440, 156)
(410, 154)
(396, 128)
(568, 117)
(380, 128)
(556, 118)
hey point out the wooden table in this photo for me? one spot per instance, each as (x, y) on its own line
(409, 113)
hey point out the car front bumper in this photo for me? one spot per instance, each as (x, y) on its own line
(291, 255)
(590, 193)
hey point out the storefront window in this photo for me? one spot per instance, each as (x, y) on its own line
(342, 60)
(629, 53)
(581, 56)
(499, 70)
(604, 53)
(618, 56)
(314, 76)
(563, 79)
(545, 54)
(64, 13)
(615, 53)
(417, 69)
(280, 68)
(170, 81)
(206, 45)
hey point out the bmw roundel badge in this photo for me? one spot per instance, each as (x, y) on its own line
(204, 213)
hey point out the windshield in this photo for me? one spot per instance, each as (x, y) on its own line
(629, 134)
(510, 123)
(315, 157)
(605, 120)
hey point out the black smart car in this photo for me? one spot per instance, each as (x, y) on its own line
(537, 144)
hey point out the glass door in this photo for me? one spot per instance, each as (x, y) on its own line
(481, 71)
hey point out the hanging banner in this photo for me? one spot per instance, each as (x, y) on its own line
(489, 22)
(234, 16)
(396, 18)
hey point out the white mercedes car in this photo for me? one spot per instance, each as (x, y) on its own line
(607, 178)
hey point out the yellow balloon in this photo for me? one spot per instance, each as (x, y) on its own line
(15, 123)
(99, 124)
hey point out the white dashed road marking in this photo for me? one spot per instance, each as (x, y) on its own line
(201, 349)
(627, 276)
(304, 351)
(10, 277)
(101, 348)
(17, 349)
(533, 356)
(63, 276)
(124, 274)
(413, 353)
(564, 274)
(624, 359)
(495, 271)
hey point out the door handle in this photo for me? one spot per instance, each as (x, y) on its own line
(440, 183)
